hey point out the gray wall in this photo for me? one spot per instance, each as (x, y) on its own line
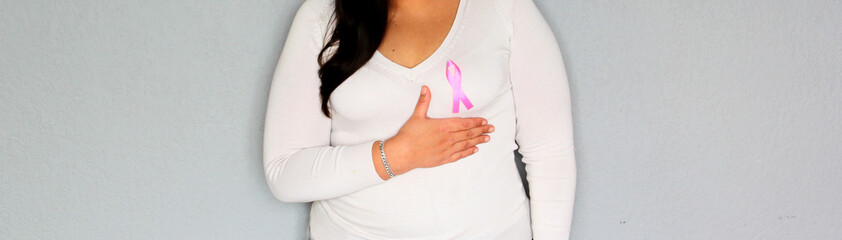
(694, 120)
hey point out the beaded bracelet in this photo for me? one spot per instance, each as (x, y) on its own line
(383, 156)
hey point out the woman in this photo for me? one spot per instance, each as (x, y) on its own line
(453, 87)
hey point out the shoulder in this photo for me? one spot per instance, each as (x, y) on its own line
(509, 8)
(506, 10)
(312, 18)
(501, 7)
(315, 10)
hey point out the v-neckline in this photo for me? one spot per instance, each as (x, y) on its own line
(426, 63)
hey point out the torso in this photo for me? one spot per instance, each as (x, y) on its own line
(478, 197)
(415, 30)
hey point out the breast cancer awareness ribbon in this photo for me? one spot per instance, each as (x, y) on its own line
(454, 77)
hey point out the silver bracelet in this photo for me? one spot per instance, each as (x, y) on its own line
(383, 156)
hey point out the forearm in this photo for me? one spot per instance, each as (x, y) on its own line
(325, 172)
(552, 187)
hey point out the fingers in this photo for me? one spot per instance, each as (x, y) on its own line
(464, 153)
(423, 103)
(460, 124)
(468, 133)
(472, 132)
(471, 142)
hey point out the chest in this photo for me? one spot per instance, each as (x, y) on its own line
(385, 92)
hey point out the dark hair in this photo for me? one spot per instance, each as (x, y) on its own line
(359, 29)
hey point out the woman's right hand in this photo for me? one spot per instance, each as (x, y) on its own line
(424, 142)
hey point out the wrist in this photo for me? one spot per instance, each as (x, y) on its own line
(396, 157)
(378, 161)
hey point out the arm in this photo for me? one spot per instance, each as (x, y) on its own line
(299, 163)
(544, 122)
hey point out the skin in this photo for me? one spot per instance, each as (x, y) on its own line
(415, 30)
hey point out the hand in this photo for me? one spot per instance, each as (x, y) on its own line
(424, 142)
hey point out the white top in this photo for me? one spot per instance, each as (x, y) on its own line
(512, 72)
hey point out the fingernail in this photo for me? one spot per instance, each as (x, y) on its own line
(484, 122)
(491, 129)
(476, 149)
(423, 90)
(486, 138)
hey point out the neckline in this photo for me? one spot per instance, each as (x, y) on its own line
(426, 63)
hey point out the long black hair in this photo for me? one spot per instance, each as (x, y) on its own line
(359, 29)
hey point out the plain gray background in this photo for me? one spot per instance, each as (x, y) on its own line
(693, 119)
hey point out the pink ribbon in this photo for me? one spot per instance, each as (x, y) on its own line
(454, 77)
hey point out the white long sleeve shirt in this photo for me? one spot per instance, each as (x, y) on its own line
(512, 72)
